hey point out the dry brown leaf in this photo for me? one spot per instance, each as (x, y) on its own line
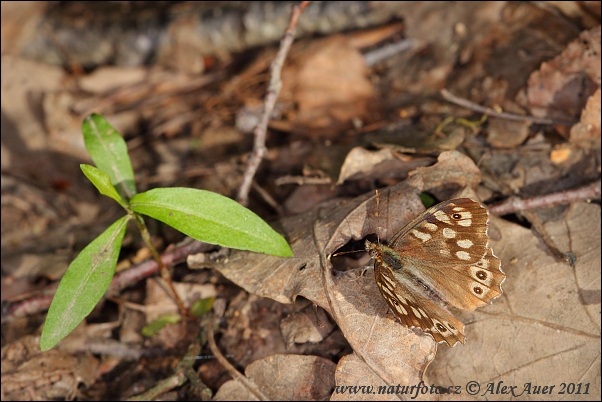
(308, 196)
(309, 325)
(29, 374)
(545, 329)
(561, 87)
(353, 379)
(507, 133)
(361, 163)
(586, 133)
(329, 83)
(284, 378)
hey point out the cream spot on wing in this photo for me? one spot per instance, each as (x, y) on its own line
(452, 328)
(438, 327)
(465, 223)
(416, 312)
(449, 233)
(420, 235)
(445, 252)
(388, 292)
(431, 226)
(465, 243)
(441, 216)
(463, 255)
(401, 309)
(388, 280)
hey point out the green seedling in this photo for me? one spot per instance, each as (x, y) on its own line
(200, 214)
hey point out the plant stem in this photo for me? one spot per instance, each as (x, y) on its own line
(163, 269)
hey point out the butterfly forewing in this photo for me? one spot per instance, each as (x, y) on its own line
(461, 223)
(455, 259)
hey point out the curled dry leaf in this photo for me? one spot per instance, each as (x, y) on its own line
(561, 87)
(384, 163)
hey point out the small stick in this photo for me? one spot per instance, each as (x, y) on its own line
(274, 88)
(183, 372)
(301, 180)
(448, 96)
(268, 198)
(538, 227)
(236, 375)
(515, 204)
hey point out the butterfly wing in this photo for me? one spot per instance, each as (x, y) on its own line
(415, 310)
(454, 229)
(447, 248)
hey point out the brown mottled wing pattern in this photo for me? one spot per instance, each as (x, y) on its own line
(440, 258)
(416, 311)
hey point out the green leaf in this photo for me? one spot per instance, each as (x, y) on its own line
(109, 153)
(427, 200)
(212, 218)
(83, 285)
(202, 306)
(154, 327)
(102, 182)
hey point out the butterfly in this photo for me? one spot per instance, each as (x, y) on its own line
(440, 259)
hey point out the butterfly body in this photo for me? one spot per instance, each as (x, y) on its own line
(439, 259)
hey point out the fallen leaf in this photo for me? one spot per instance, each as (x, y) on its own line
(561, 87)
(545, 328)
(283, 378)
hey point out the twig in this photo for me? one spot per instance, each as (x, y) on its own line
(539, 228)
(268, 198)
(274, 88)
(38, 302)
(515, 204)
(448, 96)
(301, 180)
(236, 375)
(376, 56)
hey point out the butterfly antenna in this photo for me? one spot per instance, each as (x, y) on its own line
(378, 227)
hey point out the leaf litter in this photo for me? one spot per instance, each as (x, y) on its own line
(544, 329)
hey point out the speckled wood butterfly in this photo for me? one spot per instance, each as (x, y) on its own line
(439, 259)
